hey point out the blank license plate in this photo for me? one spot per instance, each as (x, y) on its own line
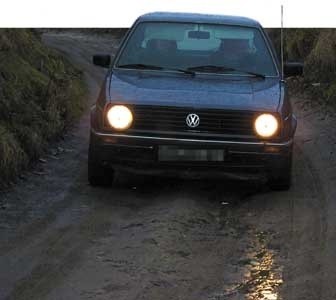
(170, 153)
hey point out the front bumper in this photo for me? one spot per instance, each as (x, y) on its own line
(139, 154)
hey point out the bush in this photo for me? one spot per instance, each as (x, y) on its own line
(321, 61)
(317, 49)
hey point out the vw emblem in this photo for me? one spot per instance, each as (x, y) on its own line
(192, 120)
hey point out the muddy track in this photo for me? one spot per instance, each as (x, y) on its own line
(152, 238)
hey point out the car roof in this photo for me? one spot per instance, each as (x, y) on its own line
(198, 18)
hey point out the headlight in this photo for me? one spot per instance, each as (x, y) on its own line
(266, 125)
(119, 117)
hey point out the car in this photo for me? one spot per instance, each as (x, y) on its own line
(193, 94)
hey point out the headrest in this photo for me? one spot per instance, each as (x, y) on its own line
(161, 44)
(234, 45)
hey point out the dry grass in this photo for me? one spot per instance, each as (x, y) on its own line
(40, 95)
(317, 49)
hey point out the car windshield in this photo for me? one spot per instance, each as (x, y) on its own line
(209, 48)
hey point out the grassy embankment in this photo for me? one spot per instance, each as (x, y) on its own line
(317, 49)
(40, 95)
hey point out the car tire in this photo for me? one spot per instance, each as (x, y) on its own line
(98, 174)
(282, 179)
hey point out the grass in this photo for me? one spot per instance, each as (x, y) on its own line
(317, 49)
(41, 94)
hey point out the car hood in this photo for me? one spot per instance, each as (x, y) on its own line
(210, 91)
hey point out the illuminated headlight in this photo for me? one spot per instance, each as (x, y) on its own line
(266, 125)
(120, 117)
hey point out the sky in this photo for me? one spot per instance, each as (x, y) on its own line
(122, 13)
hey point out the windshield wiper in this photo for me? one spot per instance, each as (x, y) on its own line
(211, 68)
(153, 67)
(252, 73)
(222, 69)
(140, 66)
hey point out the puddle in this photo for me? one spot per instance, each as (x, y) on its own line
(261, 274)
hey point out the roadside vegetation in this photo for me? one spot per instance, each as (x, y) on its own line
(41, 94)
(317, 49)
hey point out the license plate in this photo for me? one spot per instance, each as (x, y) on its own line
(172, 153)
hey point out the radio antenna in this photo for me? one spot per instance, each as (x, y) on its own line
(282, 44)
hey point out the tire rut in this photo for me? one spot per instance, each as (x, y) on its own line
(62, 249)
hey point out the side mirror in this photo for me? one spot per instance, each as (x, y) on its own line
(102, 60)
(293, 69)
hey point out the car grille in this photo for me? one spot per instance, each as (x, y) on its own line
(173, 119)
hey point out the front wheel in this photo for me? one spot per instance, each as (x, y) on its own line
(281, 179)
(98, 174)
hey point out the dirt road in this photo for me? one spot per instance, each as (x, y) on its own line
(150, 238)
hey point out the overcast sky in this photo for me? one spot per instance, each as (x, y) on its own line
(122, 13)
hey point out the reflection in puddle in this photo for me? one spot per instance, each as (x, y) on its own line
(262, 276)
